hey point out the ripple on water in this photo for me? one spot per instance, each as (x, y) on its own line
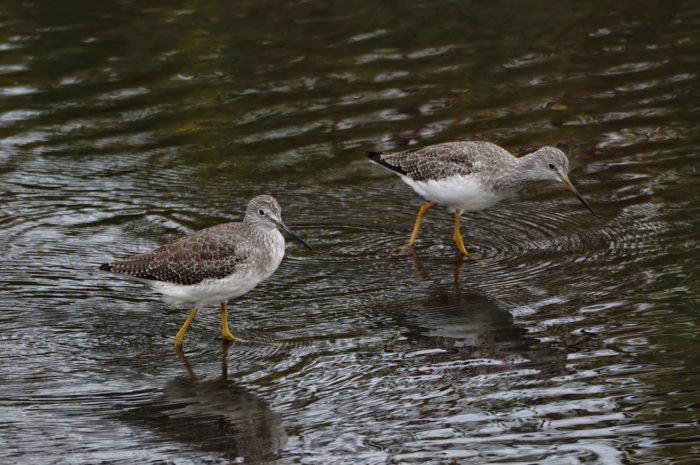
(555, 344)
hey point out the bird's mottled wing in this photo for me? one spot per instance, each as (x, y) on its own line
(439, 161)
(206, 254)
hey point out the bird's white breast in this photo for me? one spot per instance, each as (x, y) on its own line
(465, 193)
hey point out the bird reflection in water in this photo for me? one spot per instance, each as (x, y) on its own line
(457, 265)
(468, 323)
(215, 416)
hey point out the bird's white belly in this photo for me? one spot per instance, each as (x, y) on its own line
(464, 193)
(209, 291)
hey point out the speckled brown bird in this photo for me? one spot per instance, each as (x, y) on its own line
(215, 264)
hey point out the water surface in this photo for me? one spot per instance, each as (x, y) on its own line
(570, 339)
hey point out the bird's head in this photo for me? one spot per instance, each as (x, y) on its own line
(551, 164)
(264, 212)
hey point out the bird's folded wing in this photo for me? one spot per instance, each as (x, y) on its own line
(429, 163)
(188, 260)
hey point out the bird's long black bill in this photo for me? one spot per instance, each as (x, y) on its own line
(584, 202)
(294, 235)
(579, 196)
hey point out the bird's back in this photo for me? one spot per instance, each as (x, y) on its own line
(442, 161)
(211, 253)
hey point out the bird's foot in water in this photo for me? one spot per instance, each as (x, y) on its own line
(405, 249)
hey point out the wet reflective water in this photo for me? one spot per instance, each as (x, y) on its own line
(572, 339)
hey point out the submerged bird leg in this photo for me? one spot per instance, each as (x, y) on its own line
(183, 358)
(225, 332)
(224, 359)
(419, 219)
(180, 336)
(457, 236)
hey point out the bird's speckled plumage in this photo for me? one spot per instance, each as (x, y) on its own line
(211, 253)
(471, 176)
(215, 264)
(468, 176)
(441, 161)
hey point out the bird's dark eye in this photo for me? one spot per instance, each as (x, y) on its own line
(261, 212)
(551, 166)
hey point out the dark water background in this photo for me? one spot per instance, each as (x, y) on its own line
(573, 340)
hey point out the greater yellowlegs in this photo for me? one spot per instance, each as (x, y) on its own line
(215, 264)
(471, 176)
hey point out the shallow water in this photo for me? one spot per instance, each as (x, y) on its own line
(569, 339)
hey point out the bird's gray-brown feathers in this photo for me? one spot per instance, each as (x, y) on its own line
(211, 253)
(480, 172)
(444, 160)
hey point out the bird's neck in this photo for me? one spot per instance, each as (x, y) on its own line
(274, 244)
(266, 235)
(513, 176)
(527, 164)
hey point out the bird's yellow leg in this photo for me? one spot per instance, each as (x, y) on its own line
(180, 336)
(225, 332)
(419, 220)
(457, 236)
